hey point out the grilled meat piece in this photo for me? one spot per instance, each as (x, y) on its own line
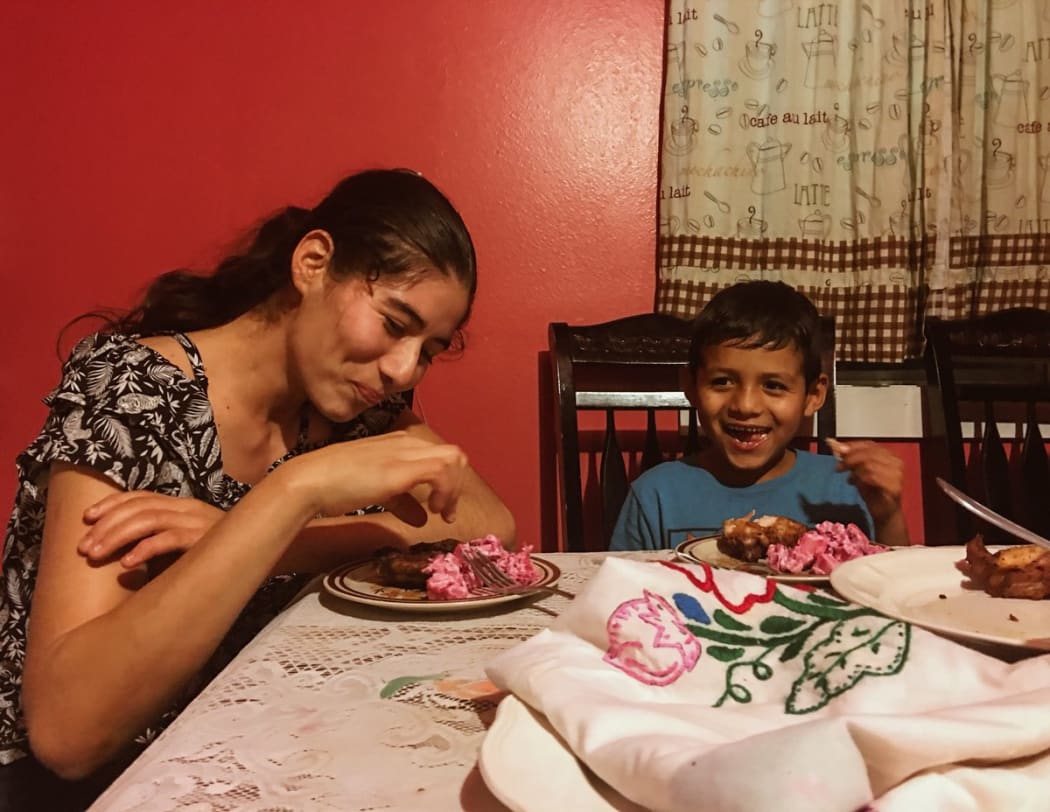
(747, 540)
(404, 568)
(1015, 572)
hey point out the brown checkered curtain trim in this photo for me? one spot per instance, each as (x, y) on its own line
(993, 250)
(795, 254)
(988, 296)
(872, 322)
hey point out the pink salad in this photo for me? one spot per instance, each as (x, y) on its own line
(451, 577)
(822, 549)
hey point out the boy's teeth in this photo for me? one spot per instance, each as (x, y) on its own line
(747, 436)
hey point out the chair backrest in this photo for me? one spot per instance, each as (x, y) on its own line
(991, 370)
(630, 364)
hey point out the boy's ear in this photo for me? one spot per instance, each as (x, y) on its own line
(818, 391)
(311, 258)
(687, 383)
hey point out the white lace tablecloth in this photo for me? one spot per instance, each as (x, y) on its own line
(339, 706)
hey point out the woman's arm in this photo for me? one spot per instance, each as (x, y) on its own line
(165, 524)
(108, 651)
(326, 543)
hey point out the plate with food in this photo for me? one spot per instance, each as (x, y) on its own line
(780, 548)
(434, 577)
(972, 593)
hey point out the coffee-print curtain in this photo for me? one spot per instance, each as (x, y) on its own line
(888, 158)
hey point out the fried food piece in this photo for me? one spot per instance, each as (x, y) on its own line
(747, 540)
(404, 568)
(1016, 572)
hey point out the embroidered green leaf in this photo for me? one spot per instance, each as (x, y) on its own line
(722, 618)
(825, 609)
(778, 624)
(871, 645)
(396, 685)
(792, 649)
(761, 670)
(735, 639)
(826, 600)
(724, 654)
(739, 693)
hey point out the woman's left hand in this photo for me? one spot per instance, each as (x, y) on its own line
(152, 523)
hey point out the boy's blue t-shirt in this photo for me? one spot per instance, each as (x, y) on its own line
(675, 501)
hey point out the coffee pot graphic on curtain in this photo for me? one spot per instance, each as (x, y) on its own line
(767, 161)
(1010, 97)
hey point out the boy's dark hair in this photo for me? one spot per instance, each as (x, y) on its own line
(760, 314)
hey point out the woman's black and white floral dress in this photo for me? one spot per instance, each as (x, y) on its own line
(128, 413)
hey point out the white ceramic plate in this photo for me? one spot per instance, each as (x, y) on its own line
(705, 551)
(921, 585)
(529, 768)
(358, 582)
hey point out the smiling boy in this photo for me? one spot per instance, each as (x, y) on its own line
(754, 377)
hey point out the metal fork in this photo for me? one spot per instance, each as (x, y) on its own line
(494, 581)
(990, 516)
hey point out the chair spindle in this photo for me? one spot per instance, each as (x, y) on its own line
(692, 438)
(651, 454)
(995, 470)
(1035, 477)
(613, 475)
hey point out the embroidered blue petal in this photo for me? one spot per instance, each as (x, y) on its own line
(690, 607)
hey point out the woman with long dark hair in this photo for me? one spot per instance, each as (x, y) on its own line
(230, 430)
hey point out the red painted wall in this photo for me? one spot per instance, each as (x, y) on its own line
(138, 137)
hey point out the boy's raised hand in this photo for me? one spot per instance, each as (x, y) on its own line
(878, 474)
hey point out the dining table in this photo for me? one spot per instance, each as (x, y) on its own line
(356, 698)
(339, 705)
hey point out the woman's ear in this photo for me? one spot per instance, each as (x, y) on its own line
(311, 258)
(818, 390)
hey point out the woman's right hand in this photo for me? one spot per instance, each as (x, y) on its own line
(346, 476)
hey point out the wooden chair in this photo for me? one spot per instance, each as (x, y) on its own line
(992, 370)
(631, 364)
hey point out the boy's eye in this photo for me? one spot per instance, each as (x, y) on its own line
(777, 386)
(720, 380)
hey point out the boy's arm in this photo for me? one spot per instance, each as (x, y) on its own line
(892, 530)
(878, 475)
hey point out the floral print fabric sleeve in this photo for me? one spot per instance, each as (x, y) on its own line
(131, 415)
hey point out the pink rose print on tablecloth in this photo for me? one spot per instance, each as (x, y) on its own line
(649, 642)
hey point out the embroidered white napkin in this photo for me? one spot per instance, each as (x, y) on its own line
(688, 688)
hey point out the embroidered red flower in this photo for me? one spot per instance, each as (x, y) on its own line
(741, 601)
